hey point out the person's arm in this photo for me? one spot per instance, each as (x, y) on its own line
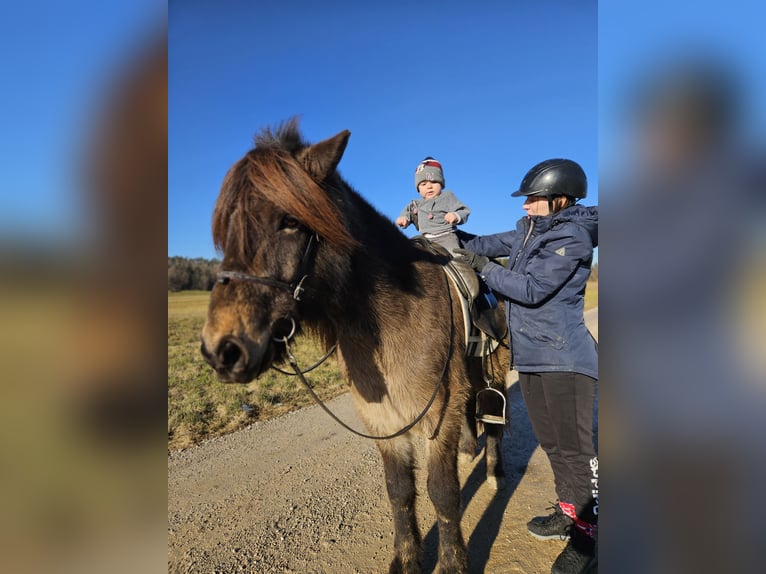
(551, 267)
(405, 218)
(453, 205)
(497, 245)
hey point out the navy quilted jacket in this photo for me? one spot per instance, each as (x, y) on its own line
(549, 260)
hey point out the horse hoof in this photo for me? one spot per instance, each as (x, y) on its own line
(464, 458)
(496, 482)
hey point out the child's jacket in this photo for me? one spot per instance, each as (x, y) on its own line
(428, 214)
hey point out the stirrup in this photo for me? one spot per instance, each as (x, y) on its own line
(489, 397)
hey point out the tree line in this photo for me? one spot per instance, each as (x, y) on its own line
(198, 273)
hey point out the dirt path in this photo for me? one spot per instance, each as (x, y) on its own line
(300, 494)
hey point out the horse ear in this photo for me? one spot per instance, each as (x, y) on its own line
(322, 158)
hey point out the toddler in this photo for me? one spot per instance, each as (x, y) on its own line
(438, 211)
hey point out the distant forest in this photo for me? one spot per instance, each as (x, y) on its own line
(195, 273)
(199, 273)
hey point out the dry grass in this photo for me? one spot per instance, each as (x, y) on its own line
(591, 295)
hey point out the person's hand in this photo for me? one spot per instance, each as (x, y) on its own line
(451, 217)
(478, 262)
(402, 222)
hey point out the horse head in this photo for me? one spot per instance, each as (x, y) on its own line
(278, 225)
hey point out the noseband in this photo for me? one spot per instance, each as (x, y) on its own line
(295, 286)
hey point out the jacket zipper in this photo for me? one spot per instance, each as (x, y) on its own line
(512, 267)
(524, 243)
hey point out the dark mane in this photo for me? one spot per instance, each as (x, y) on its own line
(285, 136)
(271, 171)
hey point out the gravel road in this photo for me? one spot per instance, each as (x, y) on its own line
(299, 494)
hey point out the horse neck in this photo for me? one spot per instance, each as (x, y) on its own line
(379, 272)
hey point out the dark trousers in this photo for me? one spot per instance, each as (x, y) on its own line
(561, 407)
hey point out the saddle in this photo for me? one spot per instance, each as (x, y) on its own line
(483, 309)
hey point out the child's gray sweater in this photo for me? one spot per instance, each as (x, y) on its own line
(429, 213)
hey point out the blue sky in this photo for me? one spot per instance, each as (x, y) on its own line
(487, 88)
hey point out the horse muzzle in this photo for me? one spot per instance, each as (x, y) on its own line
(236, 360)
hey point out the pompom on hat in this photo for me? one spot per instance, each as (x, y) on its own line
(429, 170)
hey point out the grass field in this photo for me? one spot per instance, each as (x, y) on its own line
(199, 406)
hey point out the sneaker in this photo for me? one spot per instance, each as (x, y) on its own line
(578, 557)
(552, 527)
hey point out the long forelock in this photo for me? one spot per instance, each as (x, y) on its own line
(272, 173)
(231, 223)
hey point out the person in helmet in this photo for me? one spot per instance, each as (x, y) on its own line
(438, 211)
(549, 261)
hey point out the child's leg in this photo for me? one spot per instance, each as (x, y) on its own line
(448, 241)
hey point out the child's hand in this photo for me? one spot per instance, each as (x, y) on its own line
(402, 222)
(451, 217)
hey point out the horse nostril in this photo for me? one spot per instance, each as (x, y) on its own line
(229, 353)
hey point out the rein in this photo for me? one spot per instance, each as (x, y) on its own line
(295, 286)
(297, 371)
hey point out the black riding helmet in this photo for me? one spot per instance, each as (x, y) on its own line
(552, 178)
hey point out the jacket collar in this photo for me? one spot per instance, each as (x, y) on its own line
(577, 213)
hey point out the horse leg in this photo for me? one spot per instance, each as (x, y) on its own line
(400, 484)
(444, 490)
(468, 436)
(493, 435)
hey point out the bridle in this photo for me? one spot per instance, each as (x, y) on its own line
(295, 286)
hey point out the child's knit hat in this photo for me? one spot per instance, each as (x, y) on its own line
(429, 170)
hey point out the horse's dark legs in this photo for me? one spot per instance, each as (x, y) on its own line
(493, 435)
(468, 436)
(444, 490)
(400, 484)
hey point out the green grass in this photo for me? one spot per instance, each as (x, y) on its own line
(199, 406)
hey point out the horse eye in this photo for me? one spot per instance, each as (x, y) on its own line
(289, 222)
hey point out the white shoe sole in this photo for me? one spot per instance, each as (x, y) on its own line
(563, 538)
